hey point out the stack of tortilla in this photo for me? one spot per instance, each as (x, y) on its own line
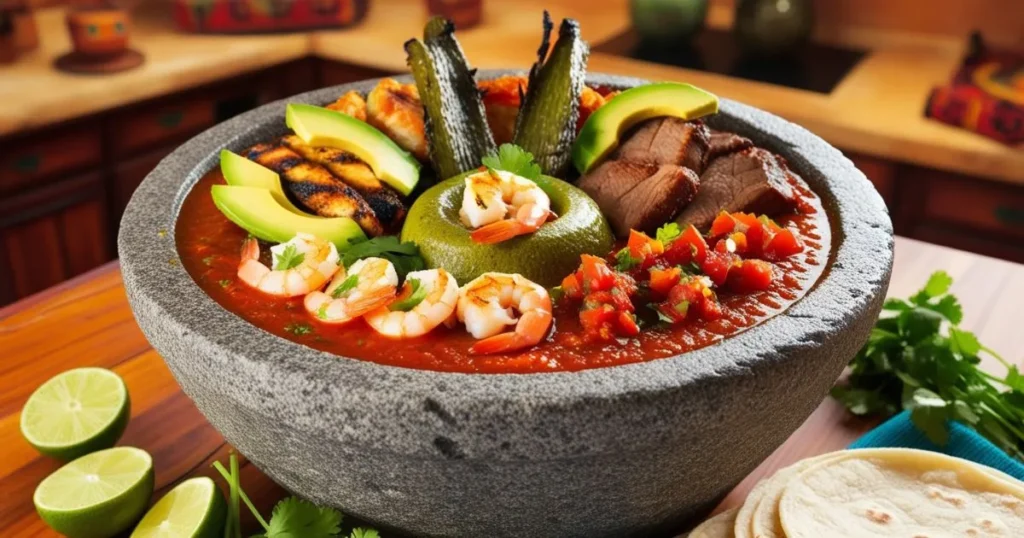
(877, 493)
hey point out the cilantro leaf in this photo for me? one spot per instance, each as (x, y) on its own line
(624, 260)
(417, 292)
(362, 532)
(512, 158)
(405, 256)
(296, 518)
(289, 258)
(346, 286)
(667, 233)
(298, 329)
(918, 359)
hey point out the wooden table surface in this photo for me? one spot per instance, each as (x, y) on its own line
(87, 322)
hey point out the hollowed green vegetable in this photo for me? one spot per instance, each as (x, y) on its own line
(546, 125)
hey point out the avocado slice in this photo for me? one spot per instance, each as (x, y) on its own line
(258, 212)
(600, 134)
(242, 172)
(545, 256)
(318, 126)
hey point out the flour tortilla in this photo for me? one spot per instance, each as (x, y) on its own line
(719, 526)
(764, 518)
(885, 493)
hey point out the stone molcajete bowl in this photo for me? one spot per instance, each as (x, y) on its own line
(622, 451)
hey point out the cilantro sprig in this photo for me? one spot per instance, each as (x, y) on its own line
(918, 358)
(291, 518)
(512, 158)
(404, 256)
(289, 258)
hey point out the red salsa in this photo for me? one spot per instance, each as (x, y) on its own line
(209, 246)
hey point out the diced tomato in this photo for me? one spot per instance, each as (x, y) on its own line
(596, 275)
(709, 309)
(723, 224)
(662, 280)
(691, 298)
(592, 316)
(627, 325)
(571, 287)
(745, 220)
(688, 247)
(757, 237)
(740, 239)
(716, 265)
(641, 245)
(750, 276)
(782, 245)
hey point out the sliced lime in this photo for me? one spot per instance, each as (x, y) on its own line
(195, 508)
(98, 495)
(76, 412)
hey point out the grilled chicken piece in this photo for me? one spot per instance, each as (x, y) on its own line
(387, 205)
(315, 187)
(352, 103)
(397, 111)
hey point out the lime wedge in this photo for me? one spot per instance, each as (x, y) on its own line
(76, 412)
(97, 496)
(195, 508)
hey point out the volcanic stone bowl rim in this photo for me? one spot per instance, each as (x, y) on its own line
(861, 231)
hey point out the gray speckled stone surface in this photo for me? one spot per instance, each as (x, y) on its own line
(625, 451)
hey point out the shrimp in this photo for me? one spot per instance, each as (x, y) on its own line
(486, 306)
(396, 110)
(493, 195)
(352, 104)
(301, 265)
(370, 283)
(436, 306)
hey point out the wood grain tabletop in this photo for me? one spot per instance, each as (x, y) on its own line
(87, 322)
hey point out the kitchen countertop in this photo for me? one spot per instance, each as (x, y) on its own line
(87, 322)
(875, 110)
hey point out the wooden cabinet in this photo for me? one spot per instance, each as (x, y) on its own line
(29, 161)
(128, 175)
(881, 173)
(51, 234)
(988, 208)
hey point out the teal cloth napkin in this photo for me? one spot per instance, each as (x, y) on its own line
(964, 443)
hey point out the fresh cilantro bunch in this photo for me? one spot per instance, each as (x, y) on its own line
(404, 256)
(917, 358)
(291, 518)
(512, 158)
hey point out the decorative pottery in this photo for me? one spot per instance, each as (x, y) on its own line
(773, 27)
(631, 450)
(668, 21)
(99, 38)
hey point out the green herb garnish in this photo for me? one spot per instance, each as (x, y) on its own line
(224, 283)
(512, 158)
(917, 358)
(289, 258)
(404, 256)
(298, 329)
(292, 517)
(624, 260)
(346, 286)
(667, 233)
(208, 261)
(322, 311)
(416, 295)
(556, 293)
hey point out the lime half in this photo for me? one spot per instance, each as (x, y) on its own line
(76, 412)
(195, 508)
(97, 496)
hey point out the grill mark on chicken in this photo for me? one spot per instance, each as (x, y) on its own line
(385, 202)
(315, 187)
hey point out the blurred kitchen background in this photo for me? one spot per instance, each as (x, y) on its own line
(926, 96)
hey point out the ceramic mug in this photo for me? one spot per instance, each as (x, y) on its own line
(98, 32)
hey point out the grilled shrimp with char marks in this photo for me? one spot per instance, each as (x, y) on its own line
(487, 306)
(396, 110)
(301, 265)
(315, 187)
(370, 283)
(501, 205)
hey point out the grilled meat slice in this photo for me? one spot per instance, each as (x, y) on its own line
(723, 143)
(386, 203)
(611, 180)
(667, 140)
(752, 180)
(655, 200)
(315, 187)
